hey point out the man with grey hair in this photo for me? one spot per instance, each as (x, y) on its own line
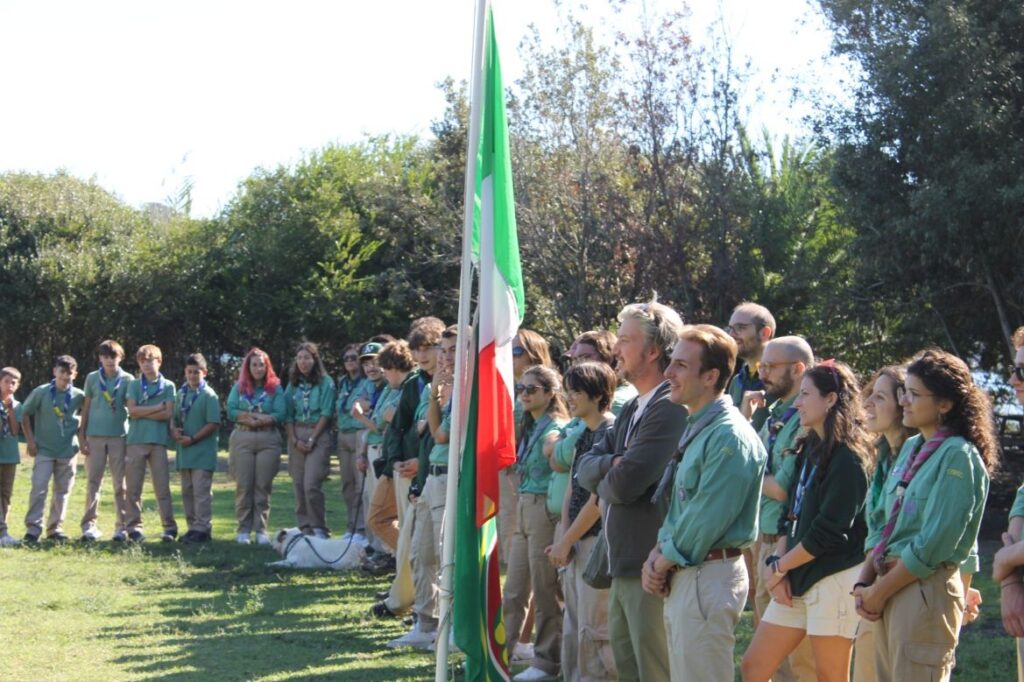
(751, 326)
(783, 362)
(624, 469)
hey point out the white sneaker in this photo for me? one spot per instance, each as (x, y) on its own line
(93, 534)
(7, 541)
(522, 653)
(360, 539)
(415, 639)
(320, 533)
(532, 674)
(346, 537)
(242, 539)
(262, 539)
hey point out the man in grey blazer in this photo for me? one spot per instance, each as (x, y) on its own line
(624, 469)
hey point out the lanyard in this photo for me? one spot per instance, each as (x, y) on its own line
(801, 489)
(110, 394)
(61, 413)
(186, 404)
(146, 395)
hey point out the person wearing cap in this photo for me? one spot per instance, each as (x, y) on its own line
(350, 439)
(714, 489)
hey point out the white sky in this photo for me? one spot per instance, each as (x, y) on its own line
(141, 95)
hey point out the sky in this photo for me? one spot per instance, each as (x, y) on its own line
(141, 96)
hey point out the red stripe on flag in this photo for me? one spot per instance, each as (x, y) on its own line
(496, 433)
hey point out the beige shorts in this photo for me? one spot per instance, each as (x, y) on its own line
(825, 610)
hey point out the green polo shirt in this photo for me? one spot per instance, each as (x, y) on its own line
(150, 431)
(348, 392)
(260, 402)
(565, 449)
(9, 452)
(942, 507)
(388, 398)
(204, 410)
(107, 418)
(1018, 503)
(439, 453)
(783, 462)
(306, 404)
(743, 381)
(55, 436)
(535, 468)
(716, 491)
(623, 394)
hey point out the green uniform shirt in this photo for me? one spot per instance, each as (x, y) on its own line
(783, 462)
(203, 409)
(942, 507)
(534, 466)
(1018, 503)
(388, 398)
(623, 394)
(55, 435)
(439, 453)
(306, 404)
(349, 392)
(9, 452)
(150, 431)
(108, 416)
(716, 491)
(874, 514)
(260, 402)
(565, 450)
(741, 382)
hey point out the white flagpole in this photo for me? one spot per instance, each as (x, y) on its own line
(463, 362)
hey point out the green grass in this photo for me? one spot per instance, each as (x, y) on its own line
(175, 612)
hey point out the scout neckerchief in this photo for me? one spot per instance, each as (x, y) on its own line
(747, 382)
(346, 386)
(693, 429)
(806, 476)
(61, 413)
(186, 404)
(917, 460)
(775, 427)
(378, 391)
(110, 395)
(255, 404)
(526, 444)
(5, 426)
(305, 390)
(161, 383)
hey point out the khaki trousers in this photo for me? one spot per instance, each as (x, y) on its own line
(529, 568)
(7, 473)
(63, 473)
(636, 626)
(917, 634)
(254, 460)
(799, 665)
(426, 550)
(135, 474)
(197, 498)
(104, 450)
(403, 591)
(351, 480)
(1020, 659)
(864, 652)
(373, 452)
(701, 612)
(586, 650)
(383, 519)
(308, 471)
(508, 501)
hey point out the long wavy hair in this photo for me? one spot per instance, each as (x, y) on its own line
(315, 374)
(844, 421)
(898, 375)
(550, 381)
(948, 377)
(271, 382)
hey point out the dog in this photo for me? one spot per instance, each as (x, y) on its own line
(306, 551)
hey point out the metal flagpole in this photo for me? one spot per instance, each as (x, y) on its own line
(463, 362)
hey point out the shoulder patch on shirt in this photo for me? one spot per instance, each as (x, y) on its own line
(954, 472)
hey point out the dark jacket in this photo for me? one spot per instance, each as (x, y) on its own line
(632, 520)
(401, 441)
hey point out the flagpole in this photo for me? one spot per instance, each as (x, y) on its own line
(458, 426)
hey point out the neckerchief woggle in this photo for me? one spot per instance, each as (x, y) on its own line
(110, 394)
(256, 404)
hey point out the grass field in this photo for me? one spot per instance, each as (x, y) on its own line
(177, 612)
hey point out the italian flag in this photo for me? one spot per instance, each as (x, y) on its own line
(490, 430)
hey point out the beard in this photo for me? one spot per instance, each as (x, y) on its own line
(780, 388)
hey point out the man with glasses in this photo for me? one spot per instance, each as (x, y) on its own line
(624, 469)
(751, 326)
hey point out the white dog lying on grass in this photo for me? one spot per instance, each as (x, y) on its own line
(305, 551)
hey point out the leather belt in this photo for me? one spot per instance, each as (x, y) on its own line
(246, 427)
(727, 553)
(437, 470)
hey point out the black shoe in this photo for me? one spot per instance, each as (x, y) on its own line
(381, 564)
(203, 537)
(409, 620)
(169, 536)
(189, 536)
(195, 537)
(381, 610)
(57, 537)
(30, 539)
(369, 551)
(136, 536)
(86, 539)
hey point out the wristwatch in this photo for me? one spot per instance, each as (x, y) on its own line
(772, 562)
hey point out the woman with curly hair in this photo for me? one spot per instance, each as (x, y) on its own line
(910, 585)
(821, 532)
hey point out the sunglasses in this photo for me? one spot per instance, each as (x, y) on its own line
(1018, 371)
(527, 389)
(349, 358)
(517, 351)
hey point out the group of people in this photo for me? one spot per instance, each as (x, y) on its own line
(669, 474)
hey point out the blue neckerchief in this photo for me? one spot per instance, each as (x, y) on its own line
(111, 394)
(5, 426)
(186, 404)
(526, 444)
(305, 390)
(62, 415)
(161, 383)
(256, 404)
(748, 383)
(378, 391)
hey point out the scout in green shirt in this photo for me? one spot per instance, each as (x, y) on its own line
(195, 426)
(50, 422)
(10, 456)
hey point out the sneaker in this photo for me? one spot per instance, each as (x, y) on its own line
(381, 610)
(262, 539)
(169, 536)
(321, 533)
(118, 536)
(532, 674)
(347, 537)
(136, 536)
(379, 567)
(91, 535)
(522, 652)
(242, 539)
(30, 538)
(7, 541)
(415, 638)
(187, 537)
(195, 537)
(57, 536)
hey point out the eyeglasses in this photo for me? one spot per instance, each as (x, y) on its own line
(351, 358)
(911, 396)
(528, 389)
(1018, 371)
(741, 327)
(769, 366)
(517, 351)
